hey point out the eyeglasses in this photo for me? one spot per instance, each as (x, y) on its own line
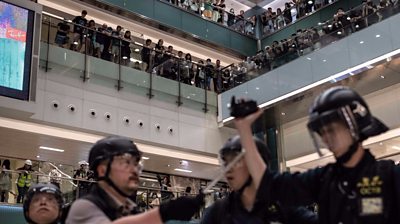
(127, 160)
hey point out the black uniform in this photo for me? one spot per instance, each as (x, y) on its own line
(231, 211)
(367, 193)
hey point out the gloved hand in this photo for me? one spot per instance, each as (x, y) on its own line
(182, 208)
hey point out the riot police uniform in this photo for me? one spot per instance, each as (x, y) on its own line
(368, 192)
(230, 210)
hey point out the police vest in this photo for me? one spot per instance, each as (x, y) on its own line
(373, 200)
(24, 180)
(99, 197)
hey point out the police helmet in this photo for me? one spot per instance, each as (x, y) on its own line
(344, 104)
(233, 146)
(108, 147)
(43, 188)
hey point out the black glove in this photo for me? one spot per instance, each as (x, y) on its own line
(182, 208)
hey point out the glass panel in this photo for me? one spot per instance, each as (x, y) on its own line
(305, 41)
(107, 55)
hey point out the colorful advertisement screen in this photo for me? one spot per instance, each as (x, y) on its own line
(15, 50)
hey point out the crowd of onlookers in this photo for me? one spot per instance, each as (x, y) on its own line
(118, 45)
(215, 10)
(306, 40)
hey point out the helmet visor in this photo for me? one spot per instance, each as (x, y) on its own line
(324, 127)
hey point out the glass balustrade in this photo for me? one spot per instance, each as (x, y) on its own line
(304, 42)
(118, 60)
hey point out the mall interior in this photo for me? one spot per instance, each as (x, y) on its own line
(166, 77)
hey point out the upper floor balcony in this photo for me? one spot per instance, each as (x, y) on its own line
(336, 49)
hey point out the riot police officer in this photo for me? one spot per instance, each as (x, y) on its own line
(243, 204)
(356, 188)
(115, 162)
(43, 204)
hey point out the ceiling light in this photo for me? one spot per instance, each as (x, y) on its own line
(257, 88)
(124, 57)
(329, 26)
(339, 33)
(348, 18)
(283, 113)
(388, 59)
(168, 165)
(137, 50)
(382, 77)
(361, 42)
(378, 35)
(145, 158)
(183, 170)
(309, 59)
(319, 23)
(396, 147)
(380, 143)
(51, 149)
(357, 26)
(184, 163)
(310, 2)
(37, 156)
(324, 60)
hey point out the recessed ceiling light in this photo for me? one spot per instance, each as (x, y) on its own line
(145, 158)
(361, 42)
(168, 165)
(324, 60)
(137, 50)
(380, 143)
(339, 33)
(183, 170)
(378, 35)
(184, 162)
(382, 77)
(309, 59)
(51, 149)
(257, 88)
(37, 156)
(283, 113)
(396, 147)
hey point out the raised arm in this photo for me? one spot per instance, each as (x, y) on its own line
(253, 159)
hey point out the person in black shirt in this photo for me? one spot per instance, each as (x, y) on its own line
(79, 27)
(356, 188)
(146, 54)
(243, 204)
(125, 48)
(62, 34)
(116, 43)
(101, 39)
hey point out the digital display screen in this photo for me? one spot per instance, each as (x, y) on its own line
(16, 25)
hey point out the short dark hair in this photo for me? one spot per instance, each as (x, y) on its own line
(84, 12)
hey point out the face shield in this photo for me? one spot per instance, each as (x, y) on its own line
(325, 128)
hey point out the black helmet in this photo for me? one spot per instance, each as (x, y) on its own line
(109, 147)
(43, 188)
(233, 145)
(343, 103)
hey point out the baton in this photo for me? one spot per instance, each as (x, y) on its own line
(225, 170)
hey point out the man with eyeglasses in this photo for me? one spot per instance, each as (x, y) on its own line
(115, 162)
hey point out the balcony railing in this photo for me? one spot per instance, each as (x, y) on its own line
(122, 62)
(305, 42)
